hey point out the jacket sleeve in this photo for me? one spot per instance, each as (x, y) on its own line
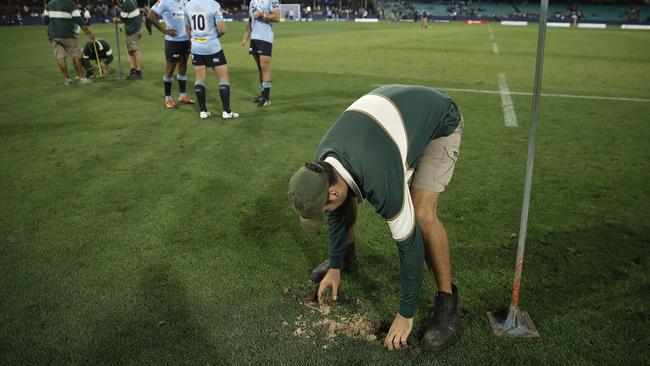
(338, 225)
(411, 260)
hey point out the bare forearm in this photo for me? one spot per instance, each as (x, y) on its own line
(152, 17)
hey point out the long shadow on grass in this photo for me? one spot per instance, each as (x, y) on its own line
(158, 328)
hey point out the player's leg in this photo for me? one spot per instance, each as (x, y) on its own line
(170, 66)
(171, 59)
(221, 71)
(256, 57)
(199, 84)
(182, 74)
(265, 64)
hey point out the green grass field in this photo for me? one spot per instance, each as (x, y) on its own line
(131, 234)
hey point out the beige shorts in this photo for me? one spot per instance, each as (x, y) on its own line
(437, 163)
(133, 41)
(64, 47)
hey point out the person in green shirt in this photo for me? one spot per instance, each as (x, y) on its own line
(61, 17)
(130, 16)
(396, 147)
(98, 51)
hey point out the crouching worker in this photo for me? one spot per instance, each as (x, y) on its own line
(98, 51)
(396, 147)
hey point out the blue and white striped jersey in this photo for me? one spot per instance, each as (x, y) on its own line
(202, 16)
(262, 29)
(173, 14)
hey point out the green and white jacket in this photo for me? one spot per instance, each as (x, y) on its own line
(375, 145)
(61, 16)
(130, 14)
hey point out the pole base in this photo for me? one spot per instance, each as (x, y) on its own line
(512, 322)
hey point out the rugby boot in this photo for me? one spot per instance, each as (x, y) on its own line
(350, 264)
(440, 331)
(204, 114)
(185, 100)
(256, 100)
(169, 103)
(264, 102)
(229, 115)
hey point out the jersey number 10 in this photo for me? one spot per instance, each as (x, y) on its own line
(198, 22)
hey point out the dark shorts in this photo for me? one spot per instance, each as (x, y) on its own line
(215, 60)
(174, 50)
(258, 47)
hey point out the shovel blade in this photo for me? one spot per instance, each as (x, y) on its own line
(512, 322)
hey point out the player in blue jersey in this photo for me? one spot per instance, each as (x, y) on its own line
(177, 46)
(260, 30)
(204, 23)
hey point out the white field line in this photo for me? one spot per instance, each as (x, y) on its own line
(495, 48)
(594, 97)
(556, 95)
(506, 102)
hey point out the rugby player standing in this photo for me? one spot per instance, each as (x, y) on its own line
(204, 24)
(177, 46)
(260, 30)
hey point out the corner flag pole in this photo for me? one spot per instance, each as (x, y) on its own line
(117, 47)
(511, 321)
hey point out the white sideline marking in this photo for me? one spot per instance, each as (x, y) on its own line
(484, 91)
(506, 102)
(495, 48)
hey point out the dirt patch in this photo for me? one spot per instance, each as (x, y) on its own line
(358, 326)
(328, 321)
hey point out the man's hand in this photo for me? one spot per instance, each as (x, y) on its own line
(258, 14)
(331, 279)
(117, 19)
(170, 32)
(399, 333)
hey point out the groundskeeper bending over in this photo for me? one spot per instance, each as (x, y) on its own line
(396, 147)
